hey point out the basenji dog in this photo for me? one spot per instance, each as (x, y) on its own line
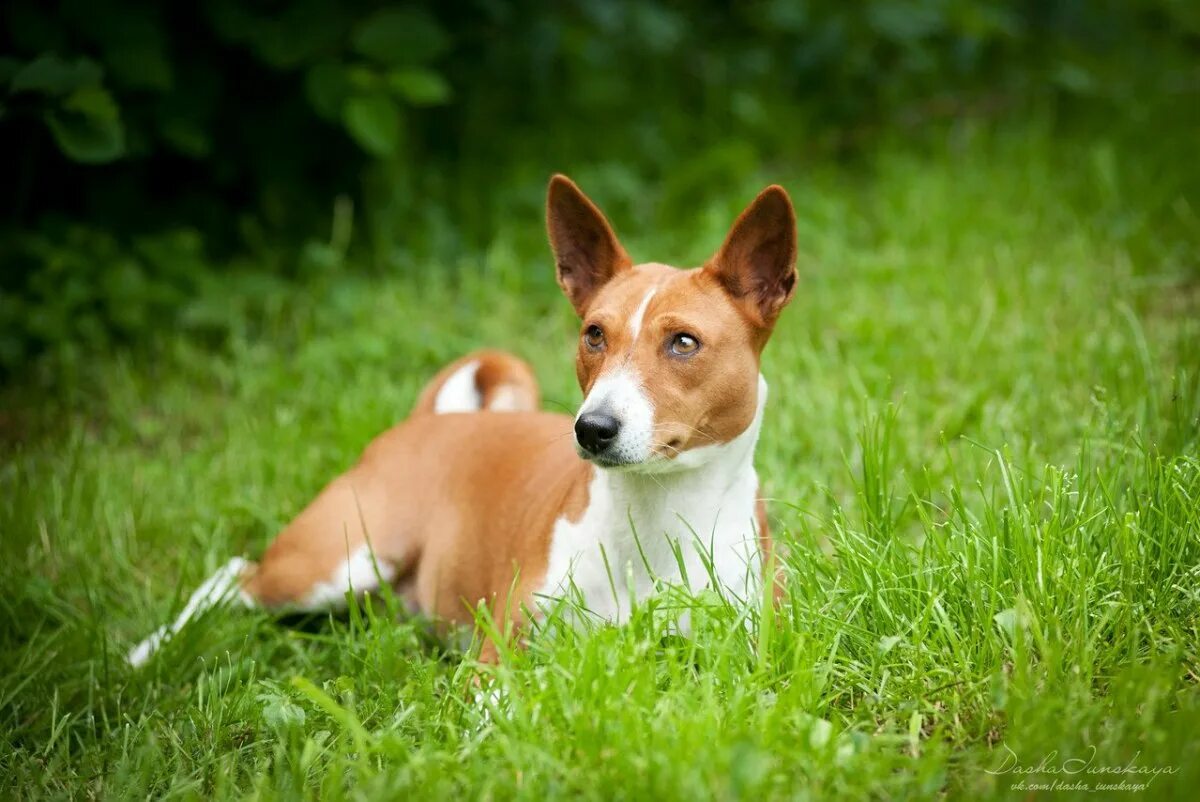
(480, 498)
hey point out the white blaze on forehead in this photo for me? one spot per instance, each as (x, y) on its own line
(635, 322)
(620, 394)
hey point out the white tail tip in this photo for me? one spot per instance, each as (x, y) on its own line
(220, 588)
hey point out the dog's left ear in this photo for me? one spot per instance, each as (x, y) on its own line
(757, 263)
(587, 253)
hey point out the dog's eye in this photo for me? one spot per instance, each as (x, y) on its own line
(593, 337)
(684, 345)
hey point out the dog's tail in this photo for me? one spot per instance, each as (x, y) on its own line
(491, 380)
(484, 380)
(223, 587)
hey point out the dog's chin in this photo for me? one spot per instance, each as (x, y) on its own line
(652, 463)
(603, 461)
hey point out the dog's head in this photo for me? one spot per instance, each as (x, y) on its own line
(668, 359)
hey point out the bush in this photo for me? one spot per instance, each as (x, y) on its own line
(204, 132)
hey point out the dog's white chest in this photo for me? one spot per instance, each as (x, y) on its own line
(640, 530)
(695, 527)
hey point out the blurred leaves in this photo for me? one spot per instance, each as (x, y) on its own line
(419, 86)
(245, 118)
(374, 122)
(52, 75)
(87, 126)
(79, 112)
(400, 36)
(327, 85)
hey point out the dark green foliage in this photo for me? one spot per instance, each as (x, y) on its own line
(980, 450)
(229, 127)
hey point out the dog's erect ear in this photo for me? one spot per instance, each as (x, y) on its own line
(586, 251)
(757, 263)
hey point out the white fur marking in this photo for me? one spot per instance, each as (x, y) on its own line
(222, 587)
(459, 393)
(507, 398)
(357, 573)
(635, 323)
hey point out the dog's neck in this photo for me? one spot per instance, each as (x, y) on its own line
(697, 521)
(713, 489)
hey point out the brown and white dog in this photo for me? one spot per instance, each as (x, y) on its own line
(480, 497)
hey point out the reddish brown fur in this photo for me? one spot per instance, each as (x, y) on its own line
(464, 505)
(456, 521)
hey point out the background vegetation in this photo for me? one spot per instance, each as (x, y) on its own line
(165, 156)
(239, 237)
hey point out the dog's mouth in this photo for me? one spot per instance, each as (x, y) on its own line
(653, 462)
(614, 443)
(603, 460)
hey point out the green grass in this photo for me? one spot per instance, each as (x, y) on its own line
(981, 449)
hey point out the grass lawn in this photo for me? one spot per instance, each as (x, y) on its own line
(981, 450)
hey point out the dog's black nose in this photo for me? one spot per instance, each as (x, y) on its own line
(595, 431)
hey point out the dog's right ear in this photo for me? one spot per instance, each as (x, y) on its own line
(586, 251)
